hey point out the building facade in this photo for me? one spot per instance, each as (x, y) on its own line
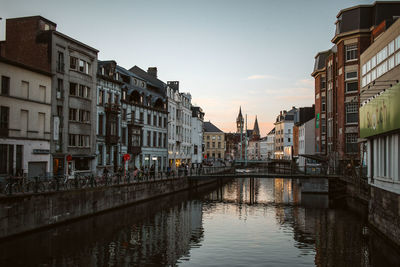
(380, 125)
(284, 134)
(337, 77)
(306, 141)
(73, 96)
(179, 126)
(111, 118)
(197, 135)
(148, 104)
(25, 112)
(271, 144)
(214, 140)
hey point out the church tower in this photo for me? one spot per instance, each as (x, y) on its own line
(240, 122)
(256, 131)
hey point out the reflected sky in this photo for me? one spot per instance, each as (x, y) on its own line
(253, 222)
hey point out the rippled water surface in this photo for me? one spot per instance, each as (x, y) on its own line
(247, 222)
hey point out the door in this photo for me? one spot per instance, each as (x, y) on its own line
(37, 169)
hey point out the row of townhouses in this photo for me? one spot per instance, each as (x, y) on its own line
(63, 111)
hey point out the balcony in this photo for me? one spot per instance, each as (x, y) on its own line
(135, 150)
(135, 122)
(112, 108)
(112, 139)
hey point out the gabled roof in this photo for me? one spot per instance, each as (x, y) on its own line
(210, 128)
(272, 131)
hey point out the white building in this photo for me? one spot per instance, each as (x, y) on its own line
(179, 126)
(271, 144)
(284, 134)
(267, 146)
(25, 113)
(306, 140)
(263, 148)
(197, 135)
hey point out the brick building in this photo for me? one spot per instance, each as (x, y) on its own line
(336, 73)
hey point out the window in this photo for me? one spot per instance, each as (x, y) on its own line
(60, 62)
(352, 112)
(72, 139)
(397, 58)
(154, 139)
(391, 62)
(73, 89)
(219, 144)
(323, 83)
(208, 144)
(60, 88)
(148, 119)
(323, 126)
(123, 95)
(391, 47)
(351, 75)
(4, 120)
(101, 97)
(351, 52)
(148, 138)
(288, 139)
(124, 114)
(87, 68)
(100, 157)
(165, 122)
(213, 144)
(397, 41)
(351, 143)
(81, 65)
(5, 85)
(73, 63)
(72, 114)
(101, 122)
(351, 87)
(155, 120)
(123, 136)
(323, 104)
(81, 91)
(159, 122)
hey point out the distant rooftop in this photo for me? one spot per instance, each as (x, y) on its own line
(211, 128)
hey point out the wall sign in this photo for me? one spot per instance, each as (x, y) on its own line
(381, 114)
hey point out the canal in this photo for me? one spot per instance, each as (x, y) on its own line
(246, 222)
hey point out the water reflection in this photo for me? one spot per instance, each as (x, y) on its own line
(255, 222)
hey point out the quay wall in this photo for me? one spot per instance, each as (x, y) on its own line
(27, 212)
(384, 213)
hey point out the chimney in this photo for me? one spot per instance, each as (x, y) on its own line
(152, 71)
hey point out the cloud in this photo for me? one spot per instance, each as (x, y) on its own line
(261, 77)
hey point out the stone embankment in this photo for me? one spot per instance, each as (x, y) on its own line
(27, 212)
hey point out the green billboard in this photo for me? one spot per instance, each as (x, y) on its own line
(381, 114)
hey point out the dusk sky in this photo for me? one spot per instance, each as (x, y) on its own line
(254, 54)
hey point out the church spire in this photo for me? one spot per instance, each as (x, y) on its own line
(256, 130)
(239, 121)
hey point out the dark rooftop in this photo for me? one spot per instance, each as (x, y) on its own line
(211, 128)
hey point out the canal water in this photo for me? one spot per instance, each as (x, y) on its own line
(246, 222)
